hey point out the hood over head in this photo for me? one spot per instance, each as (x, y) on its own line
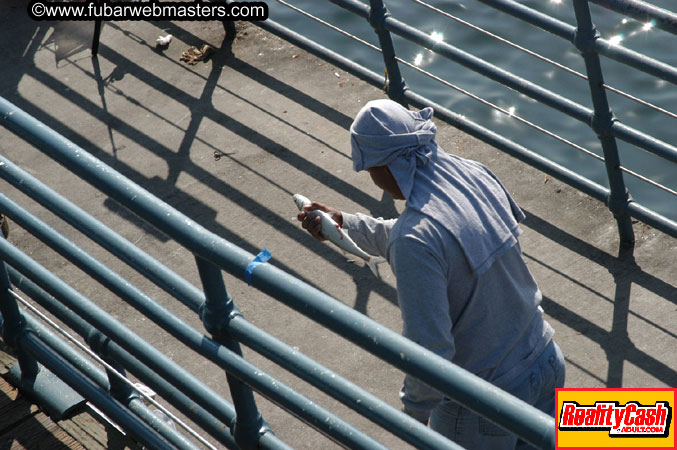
(462, 195)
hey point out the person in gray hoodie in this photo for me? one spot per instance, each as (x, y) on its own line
(463, 288)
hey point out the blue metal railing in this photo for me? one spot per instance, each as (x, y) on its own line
(244, 427)
(584, 38)
(119, 346)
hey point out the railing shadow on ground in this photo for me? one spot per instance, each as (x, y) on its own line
(625, 272)
(200, 109)
(622, 290)
(198, 209)
(568, 318)
(176, 164)
(583, 37)
(524, 420)
(179, 162)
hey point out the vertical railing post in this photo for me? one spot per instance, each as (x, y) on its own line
(215, 313)
(120, 390)
(14, 324)
(602, 120)
(395, 85)
(96, 37)
(98, 23)
(230, 29)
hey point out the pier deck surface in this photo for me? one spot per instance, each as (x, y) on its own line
(228, 141)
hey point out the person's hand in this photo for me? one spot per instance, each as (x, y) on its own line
(312, 223)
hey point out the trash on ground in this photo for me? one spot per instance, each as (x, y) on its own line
(164, 41)
(193, 54)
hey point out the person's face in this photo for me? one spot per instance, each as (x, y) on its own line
(383, 178)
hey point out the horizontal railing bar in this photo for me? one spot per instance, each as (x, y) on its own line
(534, 17)
(512, 414)
(136, 258)
(532, 90)
(329, 25)
(523, 154)
(184, 403)
(543, 58)
(568, 32)
(137, 298)
(643, 12)
(29, 342)
(640, 101)
(502, 39)
(476, 64)
(167, 432)
(648, 180)
(499, 109)
(635, 59)
(336, 386)
(98, 376)
(273, 389)
(318, 50)
(644, 141)
(652, 218)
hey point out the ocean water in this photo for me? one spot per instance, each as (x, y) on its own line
(626, 32)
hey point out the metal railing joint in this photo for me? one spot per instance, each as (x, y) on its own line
(378, 13)
(602, 123)
(584, 39)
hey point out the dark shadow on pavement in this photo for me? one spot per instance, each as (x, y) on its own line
(180, 162)
(616, 343)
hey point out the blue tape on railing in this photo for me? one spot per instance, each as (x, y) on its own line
(262, 257)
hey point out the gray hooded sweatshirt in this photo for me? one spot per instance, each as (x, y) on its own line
(463, 288)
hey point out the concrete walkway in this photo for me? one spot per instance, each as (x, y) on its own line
(230, 140)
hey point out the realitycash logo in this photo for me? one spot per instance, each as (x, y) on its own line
(615, 418)
(631, 419)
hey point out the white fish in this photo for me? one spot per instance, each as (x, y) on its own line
(332, 231)
(164, 40)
